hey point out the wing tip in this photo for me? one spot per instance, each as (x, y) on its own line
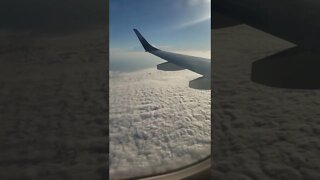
(147, 47)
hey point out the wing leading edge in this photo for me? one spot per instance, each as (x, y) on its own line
(196, 64)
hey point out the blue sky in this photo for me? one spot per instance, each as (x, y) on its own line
(173, 25)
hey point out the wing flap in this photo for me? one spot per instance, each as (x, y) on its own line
(169, 67)
(203, 83)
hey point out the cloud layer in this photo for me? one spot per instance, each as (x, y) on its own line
(157, 123)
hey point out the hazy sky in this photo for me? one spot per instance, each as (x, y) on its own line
(173, 25)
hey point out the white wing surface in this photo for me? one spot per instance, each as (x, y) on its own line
(179, 61)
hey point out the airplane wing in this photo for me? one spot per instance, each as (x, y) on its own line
(179, 62)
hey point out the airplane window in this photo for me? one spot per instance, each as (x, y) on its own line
(159, 86)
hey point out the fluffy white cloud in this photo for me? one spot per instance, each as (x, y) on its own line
(157, 123)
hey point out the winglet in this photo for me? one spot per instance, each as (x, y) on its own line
(147, 47)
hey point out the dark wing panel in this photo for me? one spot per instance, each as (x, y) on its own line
(169, 67)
